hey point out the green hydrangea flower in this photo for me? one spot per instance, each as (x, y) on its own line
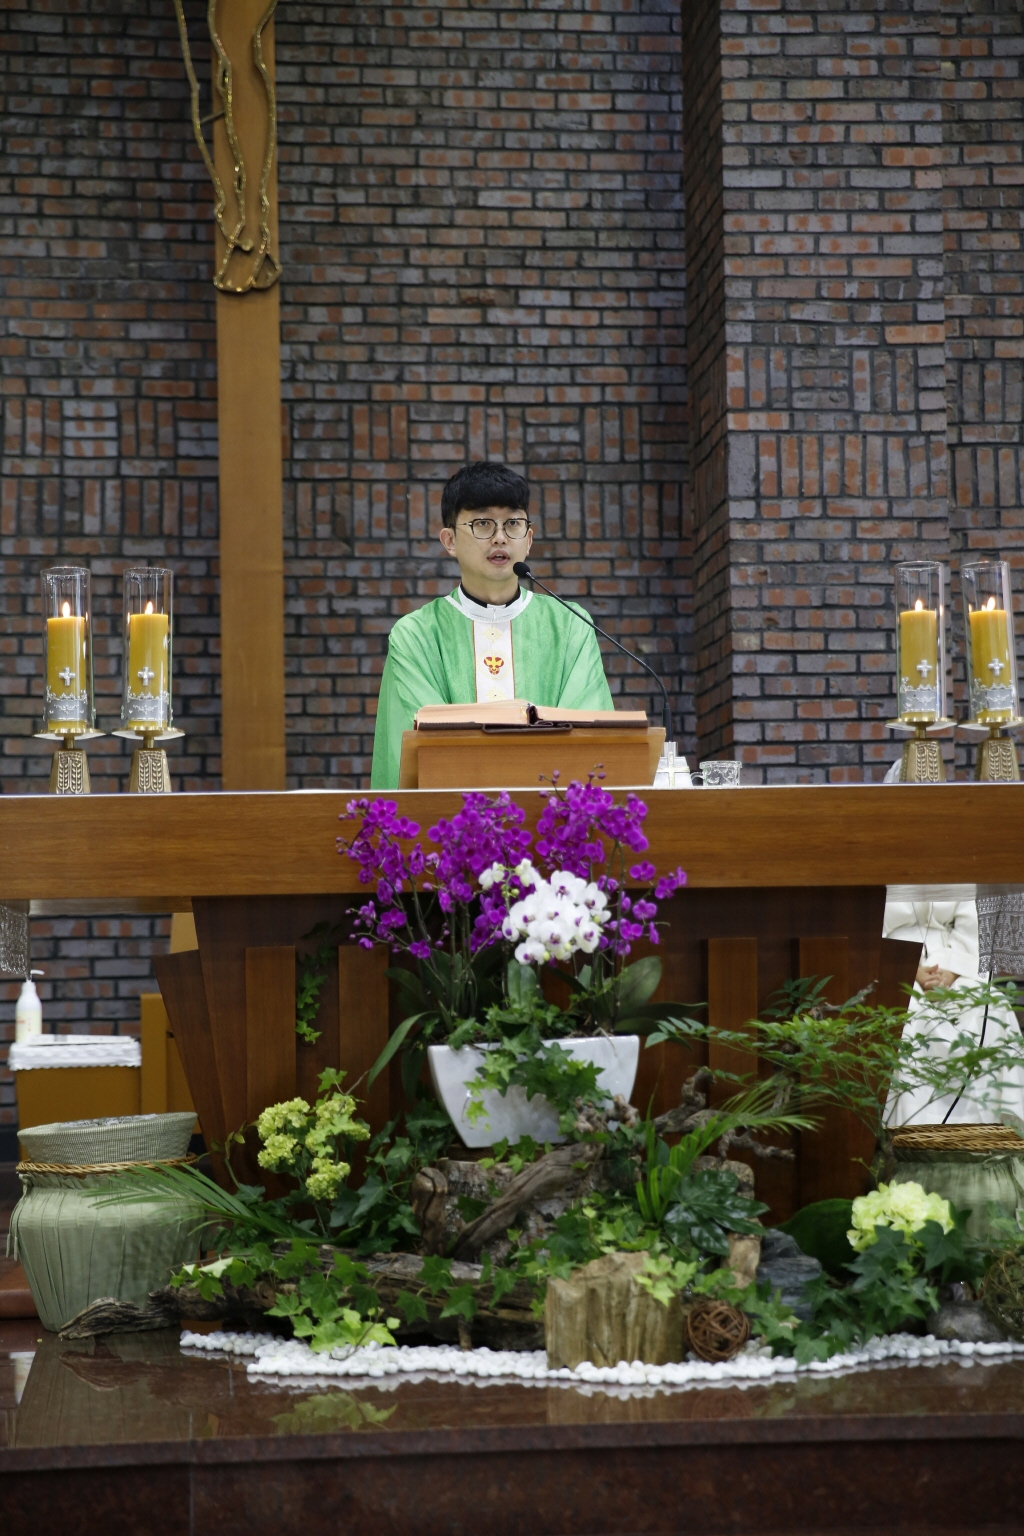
(278, 1153)
(291, 1114)
(905, 1207)
(326, 1178)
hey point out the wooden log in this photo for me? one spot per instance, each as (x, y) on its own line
(601, 1314)
(509, 1324)
(546, 1176)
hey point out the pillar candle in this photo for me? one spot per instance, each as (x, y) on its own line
(919, 650)
(990, 655)
(65, 659)
(147, 657)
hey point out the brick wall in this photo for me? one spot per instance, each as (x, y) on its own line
(983, 224)
(482, 238)
(832, 318)
(108, 376)
(870, 316)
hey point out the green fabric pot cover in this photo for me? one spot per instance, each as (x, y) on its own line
(112, 1139)
(968, 1180)
(76, 1247)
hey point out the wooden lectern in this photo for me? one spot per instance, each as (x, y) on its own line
(516, 745)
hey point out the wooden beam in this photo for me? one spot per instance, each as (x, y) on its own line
(269, 1026)
(249, 430)
(732, 1003)
(363, 1026)
(153, 1027)
(829, 1165)
(743, 843)
(184, 994)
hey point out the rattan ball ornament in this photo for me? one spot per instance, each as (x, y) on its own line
(1002, 1292)
(715, 1330)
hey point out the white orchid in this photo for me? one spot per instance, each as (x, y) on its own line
(496, 875)
(555, 917)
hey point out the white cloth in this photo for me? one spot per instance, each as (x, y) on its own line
(492, 644)
(947, 929)
(75, 1051)
(481, 611)
(945, 924)
(495, 665)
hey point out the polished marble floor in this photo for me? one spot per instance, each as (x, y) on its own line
(135, 1388)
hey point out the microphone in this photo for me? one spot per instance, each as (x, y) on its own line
(522, 570)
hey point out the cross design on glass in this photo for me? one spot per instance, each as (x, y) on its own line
(996, 667)
(923, 668)
(66, 675)
(147, 674)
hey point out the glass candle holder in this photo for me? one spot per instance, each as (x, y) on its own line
(69, 709)
(148, 634)
(920, 593)
(991, 654)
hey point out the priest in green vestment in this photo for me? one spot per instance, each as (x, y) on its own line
(487, 639)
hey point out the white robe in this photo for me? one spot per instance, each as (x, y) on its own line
(947, 928)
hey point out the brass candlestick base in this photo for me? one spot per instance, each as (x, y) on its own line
(921, 761)
(997, 759)
(150, 774)
(69, 772)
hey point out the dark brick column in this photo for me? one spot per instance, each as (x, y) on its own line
(822, 451)
(983, 220)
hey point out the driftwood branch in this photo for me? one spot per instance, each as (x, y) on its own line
(427, 1197)
(541, 1179)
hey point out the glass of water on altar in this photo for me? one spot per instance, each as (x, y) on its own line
(148, 635)
(920, 593)
(720, 773)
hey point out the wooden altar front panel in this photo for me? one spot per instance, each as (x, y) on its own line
(157, 852)
(232, 1009)
(781, 881)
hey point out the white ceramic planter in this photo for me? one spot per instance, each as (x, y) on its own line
(512, 1115)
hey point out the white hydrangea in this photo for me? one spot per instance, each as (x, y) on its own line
(906, 1207)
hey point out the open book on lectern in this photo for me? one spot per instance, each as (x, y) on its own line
(521, 715)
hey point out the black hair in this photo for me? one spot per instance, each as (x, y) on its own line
(476, 486)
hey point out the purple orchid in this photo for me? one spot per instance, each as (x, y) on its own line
(582, 830)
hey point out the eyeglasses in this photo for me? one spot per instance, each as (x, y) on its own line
(487, 527)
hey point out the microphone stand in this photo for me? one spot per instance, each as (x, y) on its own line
(522, 570)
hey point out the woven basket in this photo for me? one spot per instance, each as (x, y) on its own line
(957, 1138)
(972, 1166)
(118, 1139)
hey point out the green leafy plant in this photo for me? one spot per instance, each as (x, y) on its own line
(377, 1217)
(664, 1277)
(669, 1179)
(337, 1309)
(310, 976)
(855, 1055)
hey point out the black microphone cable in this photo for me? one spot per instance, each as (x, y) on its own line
(522, 570)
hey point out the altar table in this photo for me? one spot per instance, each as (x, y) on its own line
(781, 881)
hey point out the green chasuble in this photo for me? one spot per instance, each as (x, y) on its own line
(456, 651)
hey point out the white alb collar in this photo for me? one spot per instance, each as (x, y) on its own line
(482, 613)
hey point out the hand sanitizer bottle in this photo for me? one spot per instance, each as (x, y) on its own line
(28, 1014)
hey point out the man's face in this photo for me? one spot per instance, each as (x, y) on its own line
(487, 543)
